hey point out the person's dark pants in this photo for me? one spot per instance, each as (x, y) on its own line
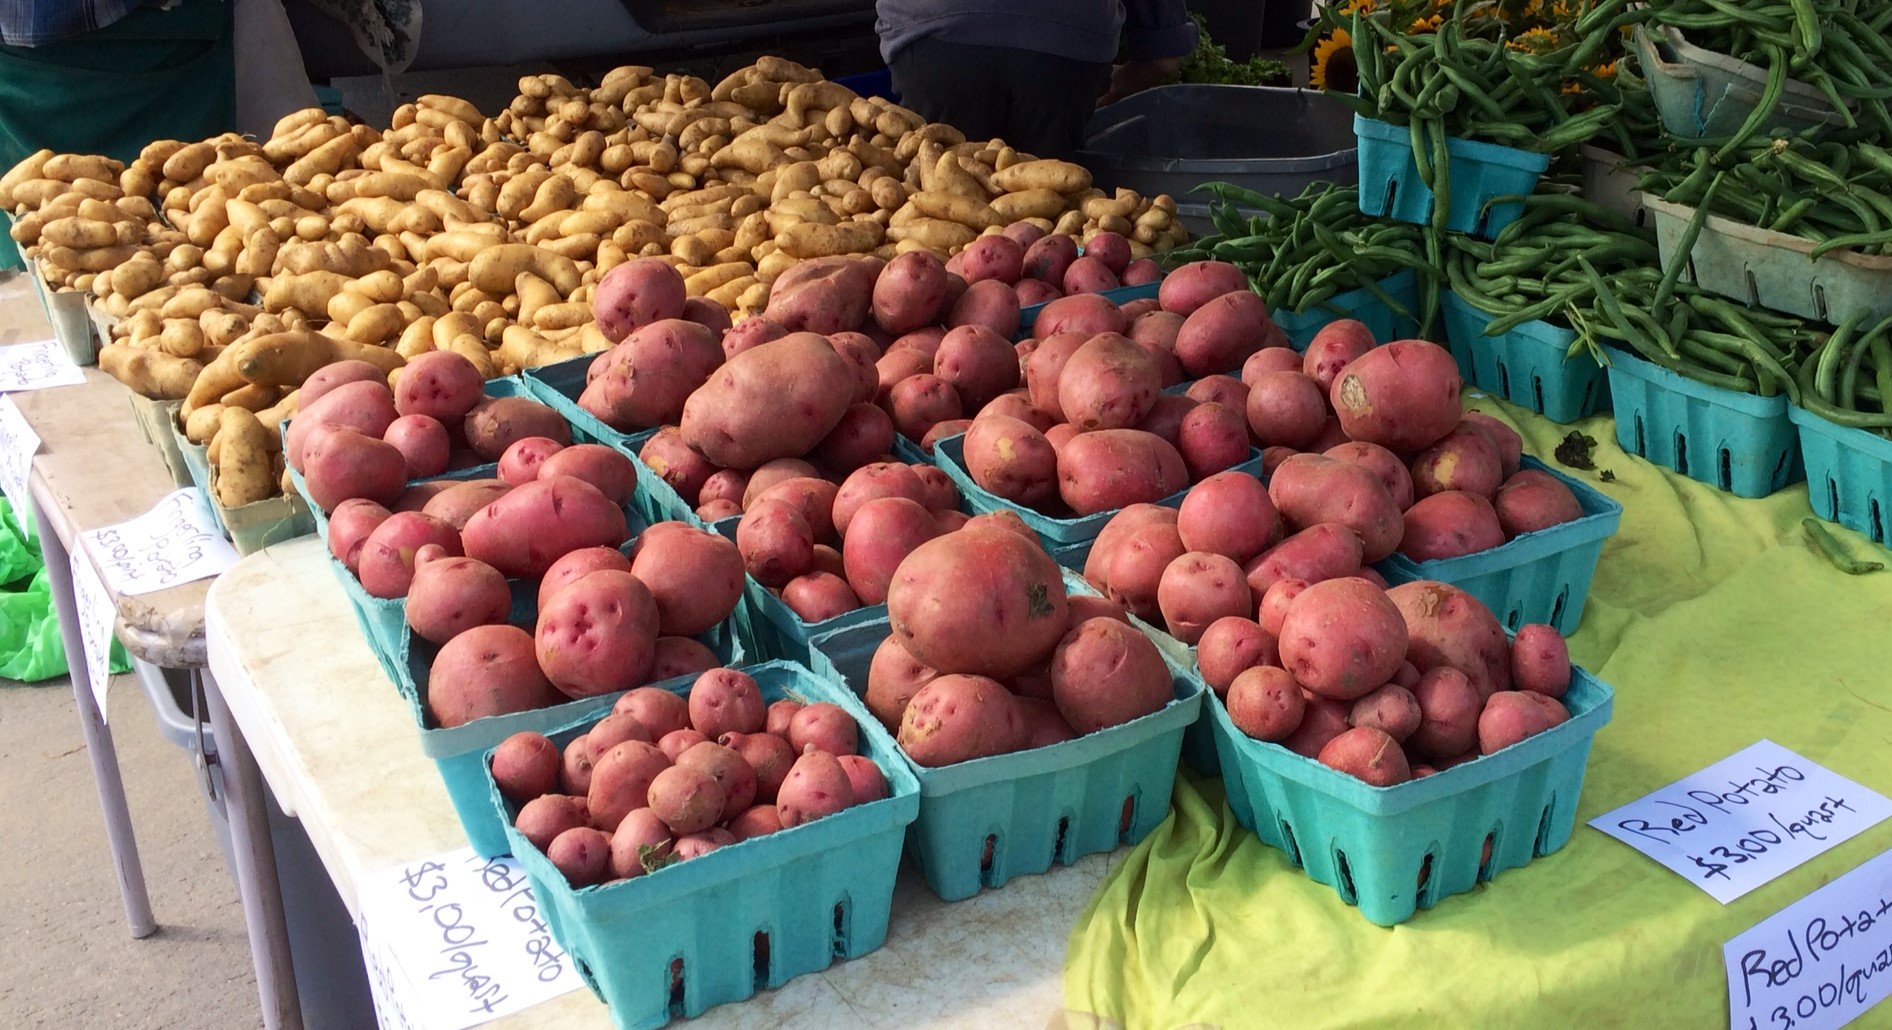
(1035, 102)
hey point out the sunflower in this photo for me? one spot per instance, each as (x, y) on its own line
(1424, 25)
(1355, 6)
(1332, 66)
(1534, 41)
(1562, 12)
(1604, 71)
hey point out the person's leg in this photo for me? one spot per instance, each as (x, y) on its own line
(1049, 101)
(962, 86)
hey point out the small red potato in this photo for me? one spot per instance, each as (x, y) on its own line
(542, 819)
(1391, 709)
(676, 742)
(1220, 335)
(1229, 514)
(1086, 274)
(1510, 446)
(776, 543)
(824, 727)
(1106, 673)
(1448, 708)
(1016, 403)
(1553, 708)
(520, 464)
(1540, 660)
(1322, 719)
(1142, 271)
(866, 779)
(990, 304)
(612, 730)
(696, 845)
(1197, 283)
(1465, 460)
(1342, 638)
(1230, 646)
(1011, 459)
(1228, 391)
(774, 473)
(1272, 613)
(1111, 468)
(635, 294)
(730, 771)
(780, 714)
(1309, 489)
(694, 576)
(750, 333)
(611, 472)
(1448, 525)
(726, 701)
(1338, 344)
(819, 596)
(349, 526)
(708, 314)
(422, 440)
(339, 463)
(861, 352)
(688, 800)
(644, 381)
(457, 503)
(1111, 249)
(944, 431)
(1166, 417)
(1044, 368)
(440, 384)
(1133, 569)
(993, 257)
(681, 656)
(1033, 292)
(1199, 588)
(1325, 551)
(1286, 409)
(487, 670)
(1108, 383)
(525, 766)
(871, 482)
(918, 403)
(987, 601)
(768, 754)
(660, 711)
(598, 635)
(1270, 359)
(1368, 754)
(1532, 501)
(1085, 313)
(1384, 464)
(574, 770)
(1265, 703)
(575, 565)
(523, 532)
(1448, 626)
(864, 433)
(1510, 716)
(642, 844)
(450, 595)
(496, 423)
(1047, 258)
(365, 407)
(1025, 233)
(886, 531)
(1157, 328)
(760, 820)
(1212, 438)
(893, 677)
(817, 786)
(340, 373)
(909, 291)
(1403, 396)
(956, 719)
(389, 555)
(724, 485)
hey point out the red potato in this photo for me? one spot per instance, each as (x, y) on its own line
(1331, 436)
(983, 601)
(725, 485)
(643, 381)
(1033, 292)
(416, 496)
(575, 565)
(681, 656)
(1109, 248)
(909, 292)
(660, 711)
(1105, 673)
(1325, 551)
(1272, 613)
(730, 771)
(897, 364)
(1403, 396)
(1089, 606)
(450, 595)
(776, 543)
(542, 819)
(339, 463)
(1195, 284)
(388, 557)
(1017, 404)
(1270, 359)
(1265, 703)
(944, 431)
(958, 718)
(1342, 638)
(1465, 460)
(993, 257)
(726, 701)
(714, 511)
(598, 635)
(1199, 588)
(1061, 434)
(1309, 489)
(1553, 709)
(642, 844)
(637, 293)
(864, 433)
(1166, 417)
(1212, 438)
(1108, 383)
(1322, 719)
(1540, 660)
(824, 727)
(1047, 258)
(768, 754)
(495, 423)
(1448, 525)
(991, 305)
(458, 503)
(574, 771)
(675, 463)
(1225, 390)
(868, 783)
(886, 531)
(819, 596)
(918, 403)
(1134, 574)
(893, 677)
(1044, 367)
(1391, 709)
(688, 800)
(349, 526)
(1157, 328)
(1025, 233)
(603, 467)
(1368, 754)
(707, 313)
(1169, 371)
(1116, 530)
(1012, 460)
(817, 786)
(1230, 646)
(1383, 463)
(978, 362)
(696, 845)
(612, 730)
(870, 482)
(1110, 468)
(809, 494)
(1447, 626)
(339, 373)
(775, 400)
(824, 295)
(861, 352)
(1510, 716)
(1510, 446)
(1220, 335)
(522, 533)
(439, 384)
(1135, 309)
(485, 671)
(694, 576)
(1286, 409)
(520, 464)
(525, 766)
(1449, 707)
(1534, 500)
(422, 441)
(1085, 313)
(1086, 274)
(1338, 344)
(1142, 271)
(365, 407)
(925, 339)
(758, 821)
(751, 332)
(773, 473)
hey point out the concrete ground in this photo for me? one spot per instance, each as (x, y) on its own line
(70, 961)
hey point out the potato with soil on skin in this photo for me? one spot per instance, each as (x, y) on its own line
(1309, 489)
(893, 677)
(450, 595)
(909, 292)
(1391, 709)
(863, 435)
(457, 504)
(642, 844)
(520, 464)
(1447, 626)
(644, 381)
(730, 771)
(1219, 336)
(1367, 754)
(726, 701)
(688, 800)
(1108, 383)
(1448, 713)
(694, 576)
(776, 543)
(339, 464)
(1335, 346)
(817, 786)
(1212, 438)
(957, 718)
(1231, 646)
(1011, 459)
(918, 403)
(1342, 638)
(1510, 446)
(768, 755)
(1105, 673)
(1199, 588)
(495, 423)
(350, 525)
(776, 400)
(574, 770)
(1540, 660)
(1384, 463)
(885, 532)
(1229, 514)
(1465, 460)
(1265, 703)
(525, 766)
(1112, 468)
(637, 293)
(598, 635)
(1403, 396)
(611, 472)
(1325, 551)
(816, 597)
(1510, 716)
(660, 710)
(1197, 283)
(422, 440)
(983, 601)
(1449, 525)
(620, 781)
(1534, 500)
(522, 533)
(1286, 409)
(487, 670)
(542, 819)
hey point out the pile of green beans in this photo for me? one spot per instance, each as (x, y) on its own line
(1837, 194)
(1553, 258)
(1848, 379)
(1707, 338)
(1300, 253)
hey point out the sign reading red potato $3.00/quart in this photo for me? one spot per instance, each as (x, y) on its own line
(1819, 963)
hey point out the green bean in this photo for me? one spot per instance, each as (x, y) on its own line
(1834, 552)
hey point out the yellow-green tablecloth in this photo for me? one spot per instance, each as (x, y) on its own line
(1718, 626)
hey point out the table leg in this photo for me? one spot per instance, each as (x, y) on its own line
(257, 883)
(98, 737)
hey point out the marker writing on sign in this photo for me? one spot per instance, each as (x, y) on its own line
(178, 545)
(547, 960)
(1818, 938)
(458, 938)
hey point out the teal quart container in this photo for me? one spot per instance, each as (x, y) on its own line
(747, 917)
(1529, 365)
(1390, 851)
(1390, 185)
(458, 751)
(1739, 442)
(984, 822)
(1849, 474)
(1361, 305)
(1541, 577)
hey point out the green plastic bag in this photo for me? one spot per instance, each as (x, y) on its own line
(30, 646)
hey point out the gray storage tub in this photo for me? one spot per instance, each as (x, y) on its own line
(1172, 139)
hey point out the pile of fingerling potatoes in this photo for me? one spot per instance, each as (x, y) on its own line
(235, 268)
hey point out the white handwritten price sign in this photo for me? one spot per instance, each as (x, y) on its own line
(1746, 819)
(458, 940)
(172, 543)
(97, 615)
(1820, 962)
(18, 444)
(37, 366)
